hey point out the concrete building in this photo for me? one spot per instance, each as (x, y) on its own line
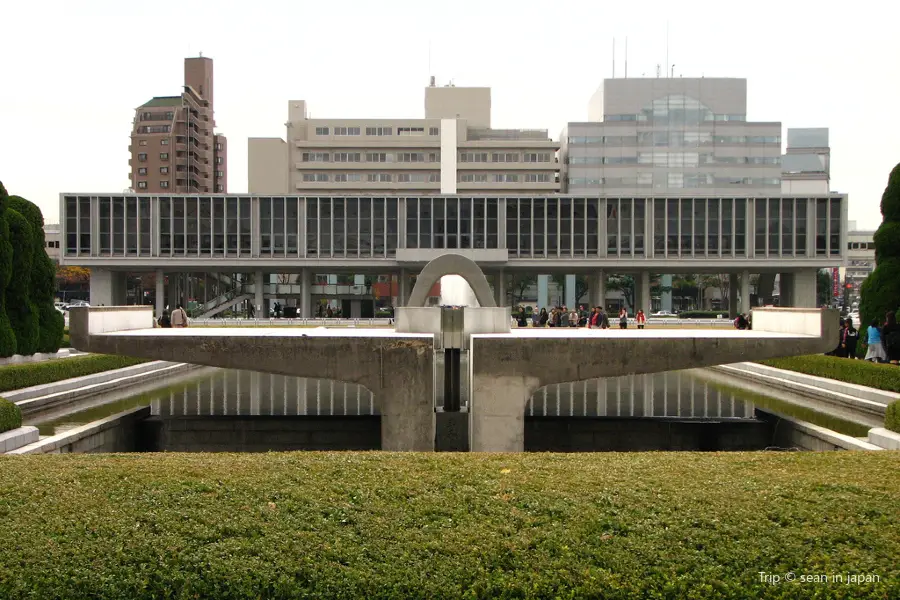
(806, 165)
(174, 148)
(667, 136)
(219, 236)
(860, 259)
(452, 149)
(52, 240)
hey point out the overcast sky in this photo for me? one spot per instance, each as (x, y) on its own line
(71, 73)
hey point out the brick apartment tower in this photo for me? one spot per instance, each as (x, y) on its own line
(173, 146)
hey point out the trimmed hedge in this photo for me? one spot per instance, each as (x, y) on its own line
(16, 377)
(22, 313)
(10, 416)
(892, 417)
(702, 314)
(880, 291)
(860, 372)
(443, 525)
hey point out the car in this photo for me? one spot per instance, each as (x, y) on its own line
(662, 313)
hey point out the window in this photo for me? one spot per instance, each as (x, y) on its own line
(220, 147)
(321, 131)
(377, 157)
(164, 184)
(411, 178)
(434, 131)
(537, 177)
(505, 157)
(473, 178)
(504, 177)
(347, 157)
(142, 171)
(142, 142)
(142, 185)
(163, 170)
(347, 177)
(163, 156)
(473, 157)
(410, 131)
(434, 157)
(346, 131)
(220, 173)
(434, 178)
(316, 157)
(164, 142)
(220, 160)
(315, 177)
(537, 157)
(378, 177)
(142, 157)
(410, 157)
(379, 131)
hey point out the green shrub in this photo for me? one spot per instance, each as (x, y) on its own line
(702, 314)
(43, 278)
(444, 525)
(22, 313)
(10, 416)
(880, 292)
(7, 336)
(859, 372)
(892, 417)
(16, 377)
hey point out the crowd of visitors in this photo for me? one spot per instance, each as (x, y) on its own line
(562, 316)
(882, 340)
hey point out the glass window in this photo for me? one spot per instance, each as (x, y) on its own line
(84, 218)
(639, 216)
(565, 226)
(71, 225)
(612, 225)
(292, 223)
(821, 226)
(231, 225)
(524, 227)
(787, 226)
(685, 233)
(539, 217)
(145, 226)
(452, 226)
(244, 223)
(800, 246)
(131, 226)
(727, 216)
(672, 227)
(579, 225)
(312, 226)
(425, 223)
(659, 226)
(392, 231)
(699, 232)
(412, 220)
(105, 206)
(740, 227)
(278, 226)
(492, 222)
(834, 218)
(512, 226)
(352, 221)
(712, 226)
(191, 218)
(465, 222)
(326, 226)
(338, 227)
(118, 226)
(439, 222)
(205, 224)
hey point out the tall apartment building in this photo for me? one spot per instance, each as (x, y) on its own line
(672, 136)
(453, 149)
(174, 148)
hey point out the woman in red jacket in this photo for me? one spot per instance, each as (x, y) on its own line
(641, 318)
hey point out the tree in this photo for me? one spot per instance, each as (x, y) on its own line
(581, 285)
(72, 275)
(824, 287)
(42, 287)
(880, 292)
(623, 284)
(23, 316)
(518, 285)
(7, 337)
(721, 282)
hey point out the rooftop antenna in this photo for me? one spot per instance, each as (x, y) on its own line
(657, 70)
(626, 57)
(667, 44)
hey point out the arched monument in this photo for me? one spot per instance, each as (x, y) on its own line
(452, 264)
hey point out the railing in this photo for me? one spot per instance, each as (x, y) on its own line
(272, 322)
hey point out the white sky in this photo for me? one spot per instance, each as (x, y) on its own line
(71, 73)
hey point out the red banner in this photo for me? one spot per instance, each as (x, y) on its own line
(836, 282)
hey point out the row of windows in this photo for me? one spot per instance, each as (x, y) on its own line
(427, 177)
(379, 157)
(860, 245)
(162, 142)
(507, 177)
(157, 116)
(674, 180)
(142, 185)
(687, 139)
(377, 131)
(483, 157)
(531, 227)
(142, 156)
(686, 114)
(674, 159)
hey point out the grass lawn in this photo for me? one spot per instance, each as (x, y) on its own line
(879, 376)
(381, 525)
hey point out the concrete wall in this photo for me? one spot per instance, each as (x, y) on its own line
(604, 434)
(259, 433)
(470, 103)
(103, 319)
(117, 433)
(267, 166)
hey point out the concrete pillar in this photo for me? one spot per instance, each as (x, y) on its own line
(642, 299)
(497, 413)
(107, 288)
(766, 287)
(172, 293)
(597, 289)
(733, 295)
(745, 292)
(258, 304)
(160, 293)
(543, 285)
(403, 288)
(665, 299)
(803, 290)
(305, 294)
(570, 291)
(786, 289)
(500, 289)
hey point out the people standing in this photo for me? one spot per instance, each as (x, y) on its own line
(543, 318)
(640, 318)
(890, 338)
(623, 319)
(179, 317)
(849, 338)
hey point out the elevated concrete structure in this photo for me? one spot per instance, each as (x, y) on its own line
(505, 369)
(395, 367)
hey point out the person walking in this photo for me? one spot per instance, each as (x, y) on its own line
(179, 317)
(849, 339)
(875, 353)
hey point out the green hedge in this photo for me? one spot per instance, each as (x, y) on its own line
(860, 372)
(442, 525)
(22, 313)
(7, 336)
(15, 377)
(702, 314)
(892, 417)
(10, 416)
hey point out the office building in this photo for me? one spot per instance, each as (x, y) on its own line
(174, 148)
(860, 259)
(452, 149)
(806, 164)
